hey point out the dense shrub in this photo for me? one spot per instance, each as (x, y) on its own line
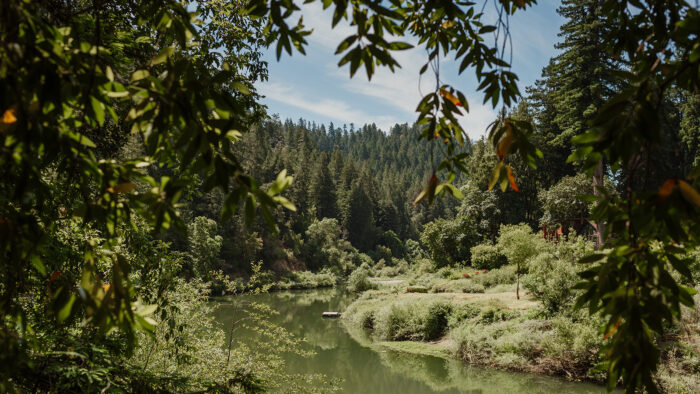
(471, 287)
(204, 246)
(389, 272)
(435, 324)
(501, 276)
(553, 273)
(359, 259)
(413, 250)
(461, 312)
(307, 280)
(369, 268)
(486, 256)
(261, 279)
(383, 252)
(359, 281)
(324, 247)
(550, 280)
(393, 242)
(449, 242)
(447, 273)
(573, 248)
(426, 266)
(403, 320)
(402, 266)
(495, 338)
(367, 319)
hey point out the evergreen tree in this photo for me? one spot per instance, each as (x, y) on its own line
(357, 218)
(322, 189)
(582, 76)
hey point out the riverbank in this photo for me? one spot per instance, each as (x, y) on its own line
(494, 330)
(267, 281)
(349, 361)
(481, 322)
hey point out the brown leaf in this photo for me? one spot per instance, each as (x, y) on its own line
(9, 116)
(666, 189)
(511, 179)
(55, 275)
(451, 97)
(613, 330)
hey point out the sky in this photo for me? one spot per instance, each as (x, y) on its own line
(313, 87)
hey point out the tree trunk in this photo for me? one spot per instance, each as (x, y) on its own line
(517, 284)
(597, 184)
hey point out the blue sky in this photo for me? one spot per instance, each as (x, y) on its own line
(314, 88)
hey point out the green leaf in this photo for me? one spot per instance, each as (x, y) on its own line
(38, 264)
(400, 46)
(496, 174)
(241, 88)
(162, 56)
(81, 139)
(98, 110)
(345, 44)
(285, 203)
(139, 75)
(66, 309)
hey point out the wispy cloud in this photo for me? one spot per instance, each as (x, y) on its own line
(344, 112)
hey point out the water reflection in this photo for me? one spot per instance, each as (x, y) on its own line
(365, 367)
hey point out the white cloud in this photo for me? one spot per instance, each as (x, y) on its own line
(335, 109)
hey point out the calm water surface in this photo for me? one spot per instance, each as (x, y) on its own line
(366, 370)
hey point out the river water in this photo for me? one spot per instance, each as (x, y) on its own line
(363, 368)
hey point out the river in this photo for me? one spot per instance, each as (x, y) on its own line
(363, 368)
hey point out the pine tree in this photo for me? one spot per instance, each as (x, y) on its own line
(357, 218)
(322, 189)
(582, 75)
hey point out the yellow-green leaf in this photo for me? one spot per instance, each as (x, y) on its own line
(122, 188)
(162, 56)
(689, 193)
(139, 75)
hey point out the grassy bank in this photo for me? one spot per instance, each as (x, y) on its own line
(492, 329)
(479, 320)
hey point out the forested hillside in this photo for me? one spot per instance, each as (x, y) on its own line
(367, 178)
(366, 182)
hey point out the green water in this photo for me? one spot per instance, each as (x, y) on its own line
(367, 369)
